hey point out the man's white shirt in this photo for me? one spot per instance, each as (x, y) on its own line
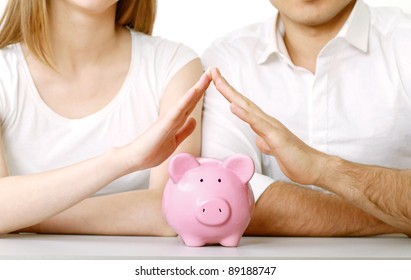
(357, 105)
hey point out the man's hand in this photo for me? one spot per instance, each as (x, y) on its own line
(299, 162)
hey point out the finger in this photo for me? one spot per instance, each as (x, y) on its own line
(258, 124)
(262, 124)
(232, 95)
(177, 116)
(185, 131)
(263, 146)
(189, 101)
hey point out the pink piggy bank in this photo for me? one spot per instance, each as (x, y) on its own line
(208, 201)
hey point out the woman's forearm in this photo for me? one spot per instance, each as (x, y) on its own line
(27, 200)
(129, 213)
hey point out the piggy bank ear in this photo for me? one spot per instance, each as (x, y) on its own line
(242, 166)
(180, 164)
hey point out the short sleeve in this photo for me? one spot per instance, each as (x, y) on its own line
(170, 57)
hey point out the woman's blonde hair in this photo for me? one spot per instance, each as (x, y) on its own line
(27, 21)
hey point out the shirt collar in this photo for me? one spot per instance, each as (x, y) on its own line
(355, 31)
(269, 39)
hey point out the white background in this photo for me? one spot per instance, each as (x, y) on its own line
(197, 22)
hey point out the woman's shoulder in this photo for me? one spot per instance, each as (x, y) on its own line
(159, 58)
(159, 45)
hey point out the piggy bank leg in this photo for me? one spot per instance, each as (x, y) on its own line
(231, 241)
(192, 241)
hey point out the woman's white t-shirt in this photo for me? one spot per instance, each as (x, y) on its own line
(37, 139)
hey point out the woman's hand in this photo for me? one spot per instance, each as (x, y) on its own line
(157, 143)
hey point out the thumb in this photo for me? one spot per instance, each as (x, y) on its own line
(263, 146)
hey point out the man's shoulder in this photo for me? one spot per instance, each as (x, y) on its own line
(251, 31)
(241, 40)
(387, 20)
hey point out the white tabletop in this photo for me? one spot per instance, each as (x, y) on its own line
(41, 246)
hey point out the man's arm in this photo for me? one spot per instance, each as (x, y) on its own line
(286, 209)
(282, 209)
(383, 193)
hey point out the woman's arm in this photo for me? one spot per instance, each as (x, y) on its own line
(31, 199)
(137, 212)
(182, 80)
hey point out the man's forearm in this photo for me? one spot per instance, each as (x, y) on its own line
(288, 210)
(382, 192)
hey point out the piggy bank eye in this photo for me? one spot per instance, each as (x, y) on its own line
(219, 180)
(201, 180)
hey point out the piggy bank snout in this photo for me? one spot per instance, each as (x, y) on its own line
(213, 211)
